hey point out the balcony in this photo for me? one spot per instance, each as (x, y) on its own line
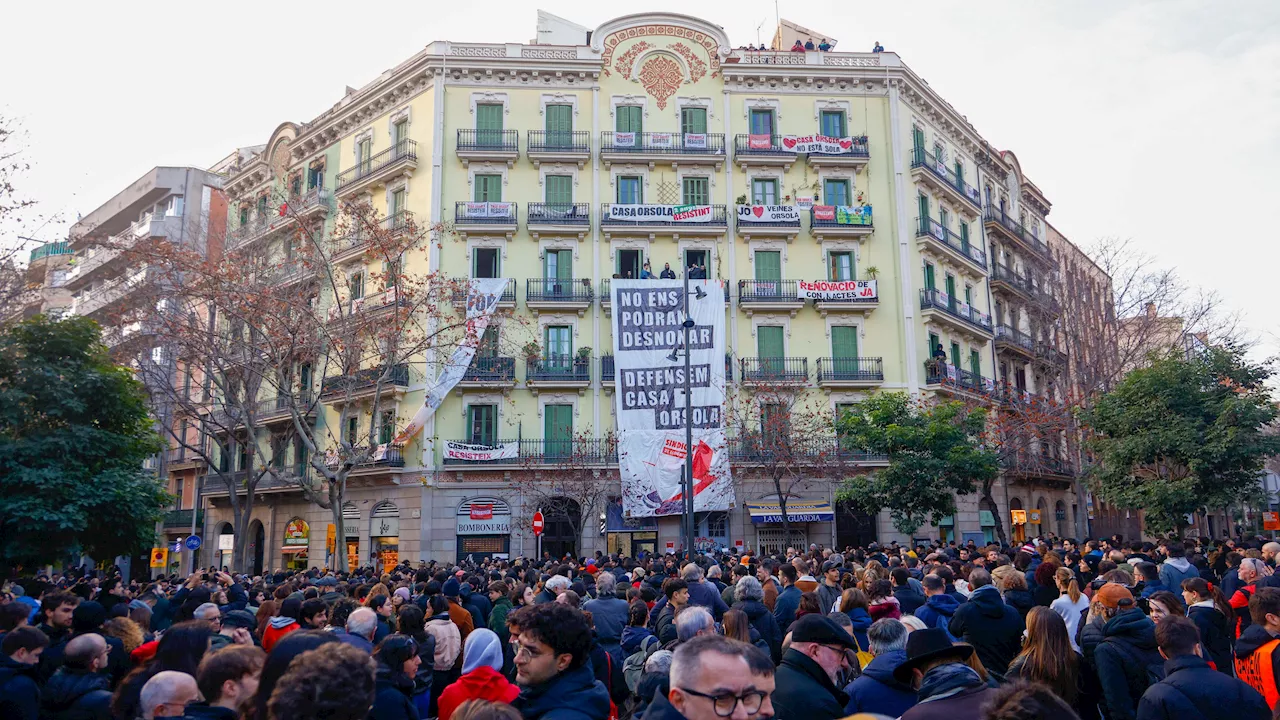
(850, 372)
(762, 150)
(1033, 466)
(857, 155)
(180, 458)
(673, 220)
(488, 146)
(182, 519)
(1014, 340)
(753, 449)
(606, 370)
(376, 171)
(831, 221)
(555, 294)
(1049, 354)
(557, 371)
(111, 292)
(485, 218)
(937, 305)
(280, 408)
(315, 202)
(489, 371)
(934, 235)
(559, 146)
(842, 295)
(662, 147)
(769, 296)
(373, 304)
(49, 250)
(293, 271)
(994, 218)
(363, 383)
(1008, 281)
(571, 219)
(506, 300)
(775, 370)
(575, 452)
(944, 377)
(355, 245)
(380, 458)
(934, 173)
(768, 221)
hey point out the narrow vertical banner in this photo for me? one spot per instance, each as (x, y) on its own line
(483, 296)
(652, 408)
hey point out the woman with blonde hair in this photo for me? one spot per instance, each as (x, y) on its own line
(1071, 605)
(126, 631)
(1012, 585)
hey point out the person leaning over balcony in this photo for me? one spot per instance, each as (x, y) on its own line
(798, 47)
(808, 44)
(824, 46)
(667, 272)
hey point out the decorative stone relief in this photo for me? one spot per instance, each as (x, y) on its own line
(661, 77)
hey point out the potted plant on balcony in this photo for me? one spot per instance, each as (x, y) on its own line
(872, 272)
(583, 357)
(532, 352)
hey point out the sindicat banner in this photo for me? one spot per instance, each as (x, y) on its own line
(483, 295)
(652, 407)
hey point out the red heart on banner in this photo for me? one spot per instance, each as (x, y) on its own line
(846, 143)
(758, 211)
(788, 143)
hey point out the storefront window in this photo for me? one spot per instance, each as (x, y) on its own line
(297, 537)
(384, 536)
(629, 536)
(484, 529)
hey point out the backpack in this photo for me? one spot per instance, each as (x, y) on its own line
(633, 666)
(864, 656)
(1154, 670)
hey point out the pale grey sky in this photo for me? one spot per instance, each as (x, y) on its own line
(1155, 120)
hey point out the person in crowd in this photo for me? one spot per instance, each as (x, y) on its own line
(313, 614)
(829, 591)
(551, 666)
(19, 681)
(750, 600)
(1026, 701)
(485, 710)
(909, 598)
(788, 600)
(500, 596)
(362, 627)
(166, 694)
(1046, 586)
(228, 682)
(1211, 613)
(636, 631)
(1192, 689)
(79, 690)
(335, 682)
(1251, 570)
(1176, 569)
(806, 678)
(1071, 605)
(764, 573)
(676, 591)
(382, 607)
(646, 272)
(283, 624)
(475, 604)
(1162, 604)
(808, 44)
(481, 675)
(1257, 652)
(993, 628)
(798, 46)
(855, 606)
(460, 615)
(876, 690)
(824, 46)
(608, 612)
(552, 588)
(281, 657)
(939, 607)
(715, 677)
(1012, 584)
(703, 593)
(692, 622)
(180, 650)
(881, 601)
(412, 622)
(1048, 658)
(877, 48)
(947, 688)
(448, 648)
(1126, 659)
(667, 273)
(398, 661)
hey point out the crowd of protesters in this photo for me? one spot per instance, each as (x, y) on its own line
(1050, 629)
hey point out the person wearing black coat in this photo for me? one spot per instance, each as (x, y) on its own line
(398, 662)
(1192, 689)
(1215, 635)
(76, 694)
(909, 599)
(19, 689)
(1125, 658)
(805, 691)
(751, 601)
(993, 628)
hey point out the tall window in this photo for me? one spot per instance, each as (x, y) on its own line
(764, 191)
(975, 364)
(762, 122)
(917, 141)
(840, 266)
(488, 124)
(386, 426)
(693, 120)
(844, 343)
(696, 190)
(951, 290)
(364, 151)
(488, 188)
(769, 341)
(835, 192)
(629, 118)
(315, 177)
(400, 132)
(964, 236)
(482, 424)
(357, 285)
(929, 283)
(955, 353)
(944, 218)
(768, 265)
(488, 343)
(397, 204)
(630, 191)
(559, 190)
(557, 430)
(832, 123)
(486, 263)
(559, 264)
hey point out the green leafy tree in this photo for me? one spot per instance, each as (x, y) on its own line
(74, 432)
(1183, 435)
(935, 453)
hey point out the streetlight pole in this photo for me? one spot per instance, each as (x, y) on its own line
(688, 427)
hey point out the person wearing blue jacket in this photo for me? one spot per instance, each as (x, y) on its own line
(788, 601)
(1192, 689)
(939, 607)
(876, 690)
(553, 669)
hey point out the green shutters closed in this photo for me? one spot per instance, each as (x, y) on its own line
(482, 424)
(696, 191)
(917, 141)
(951, 291)
(959, 173)
(629, 118)
(693, 120)
(844, 342)
(557, 430)
(559, 264)
(929, 282)
(559, 189)
(488, 124)
(764, 191)
(840, 266)
(768, 265)
(835, 192)
(400, 132)
(386, 426)
(488, 188)
(769, 341)
(559, 340)
(397, 203)
(832, 123)
(964, 236)
(955, 354)
(922, 201)
(559, 125)
(975, 364)
(762, 122)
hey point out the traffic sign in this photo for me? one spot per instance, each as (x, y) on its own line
(177, 546)
(159, 557)
(194, 542)
(1270, 521)
(537, 523)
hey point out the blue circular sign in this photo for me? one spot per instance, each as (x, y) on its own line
(193, 542)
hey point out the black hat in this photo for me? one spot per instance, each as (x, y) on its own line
(924, 646)
(830, 565)
(239, 619)
(822, 630)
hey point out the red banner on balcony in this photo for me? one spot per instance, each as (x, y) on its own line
(760, 142)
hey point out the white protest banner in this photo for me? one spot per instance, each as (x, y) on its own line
(963, 307)
(624, 139)
(660, 213)
(696, 141)
(488, 210)
(482, 299)
(804, 202)
(768, 213)
(652, 408)
(480, 453)
(818, 144)
(847, 290)
(662, 140)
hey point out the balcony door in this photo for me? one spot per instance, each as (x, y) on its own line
(844, 350)
(768, 273)
(762, 122)
(835, 192)
(559, 126)
(559, 349)
(559, 193)
(486, 263)
(630, 191)
(770, 349)
(764, 191)
(482, 424)
(832, 123)
(559, 268)
(557, 430)
(489, 125)
(629, 118)
(693, 120)
(840, 266)
(696, 191)
(488, 188)
(630, 262)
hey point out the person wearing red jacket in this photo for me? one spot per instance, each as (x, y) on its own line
(282, 624)
(482, 677)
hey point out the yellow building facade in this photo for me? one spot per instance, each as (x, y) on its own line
(531, 160)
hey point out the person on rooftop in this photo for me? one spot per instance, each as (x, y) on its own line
(797, 47)
(824, 46)
(808, 44)
(878, 48)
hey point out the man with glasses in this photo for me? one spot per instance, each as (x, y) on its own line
(79, 689)
(552, 665)
(166, 694)
(715, 677)
(807, 677)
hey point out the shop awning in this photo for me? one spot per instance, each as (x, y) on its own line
(289, 549)
(798, 511)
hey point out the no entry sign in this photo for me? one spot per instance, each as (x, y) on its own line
(537, 523)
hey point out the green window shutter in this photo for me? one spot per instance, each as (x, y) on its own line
(769, 342)
(557, 430)
(693, 120)
(559, 124)
(762, 122)
(955, 354)
(629, 118)
(975, 364)
(968, 295)
(481, 424)
(489, 118)
(964, 236)
(840, 266)
(400, 131)
(386, 427)
(933, 343)
(559, 341)
(488, 343)
(844, 342)
(951, 290)
(832, 123)
(352, 430)
(488, 188)
(929, 283)
(764, 191)
(923, 202)
(630, 191)
(959, 172)
(559, 264)
(836, 192)
(696, 191)
(944, 218)
(917, 140)
(768, 265)
(397, 203)
(559, 189)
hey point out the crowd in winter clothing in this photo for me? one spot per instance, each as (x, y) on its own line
(1048, 629)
